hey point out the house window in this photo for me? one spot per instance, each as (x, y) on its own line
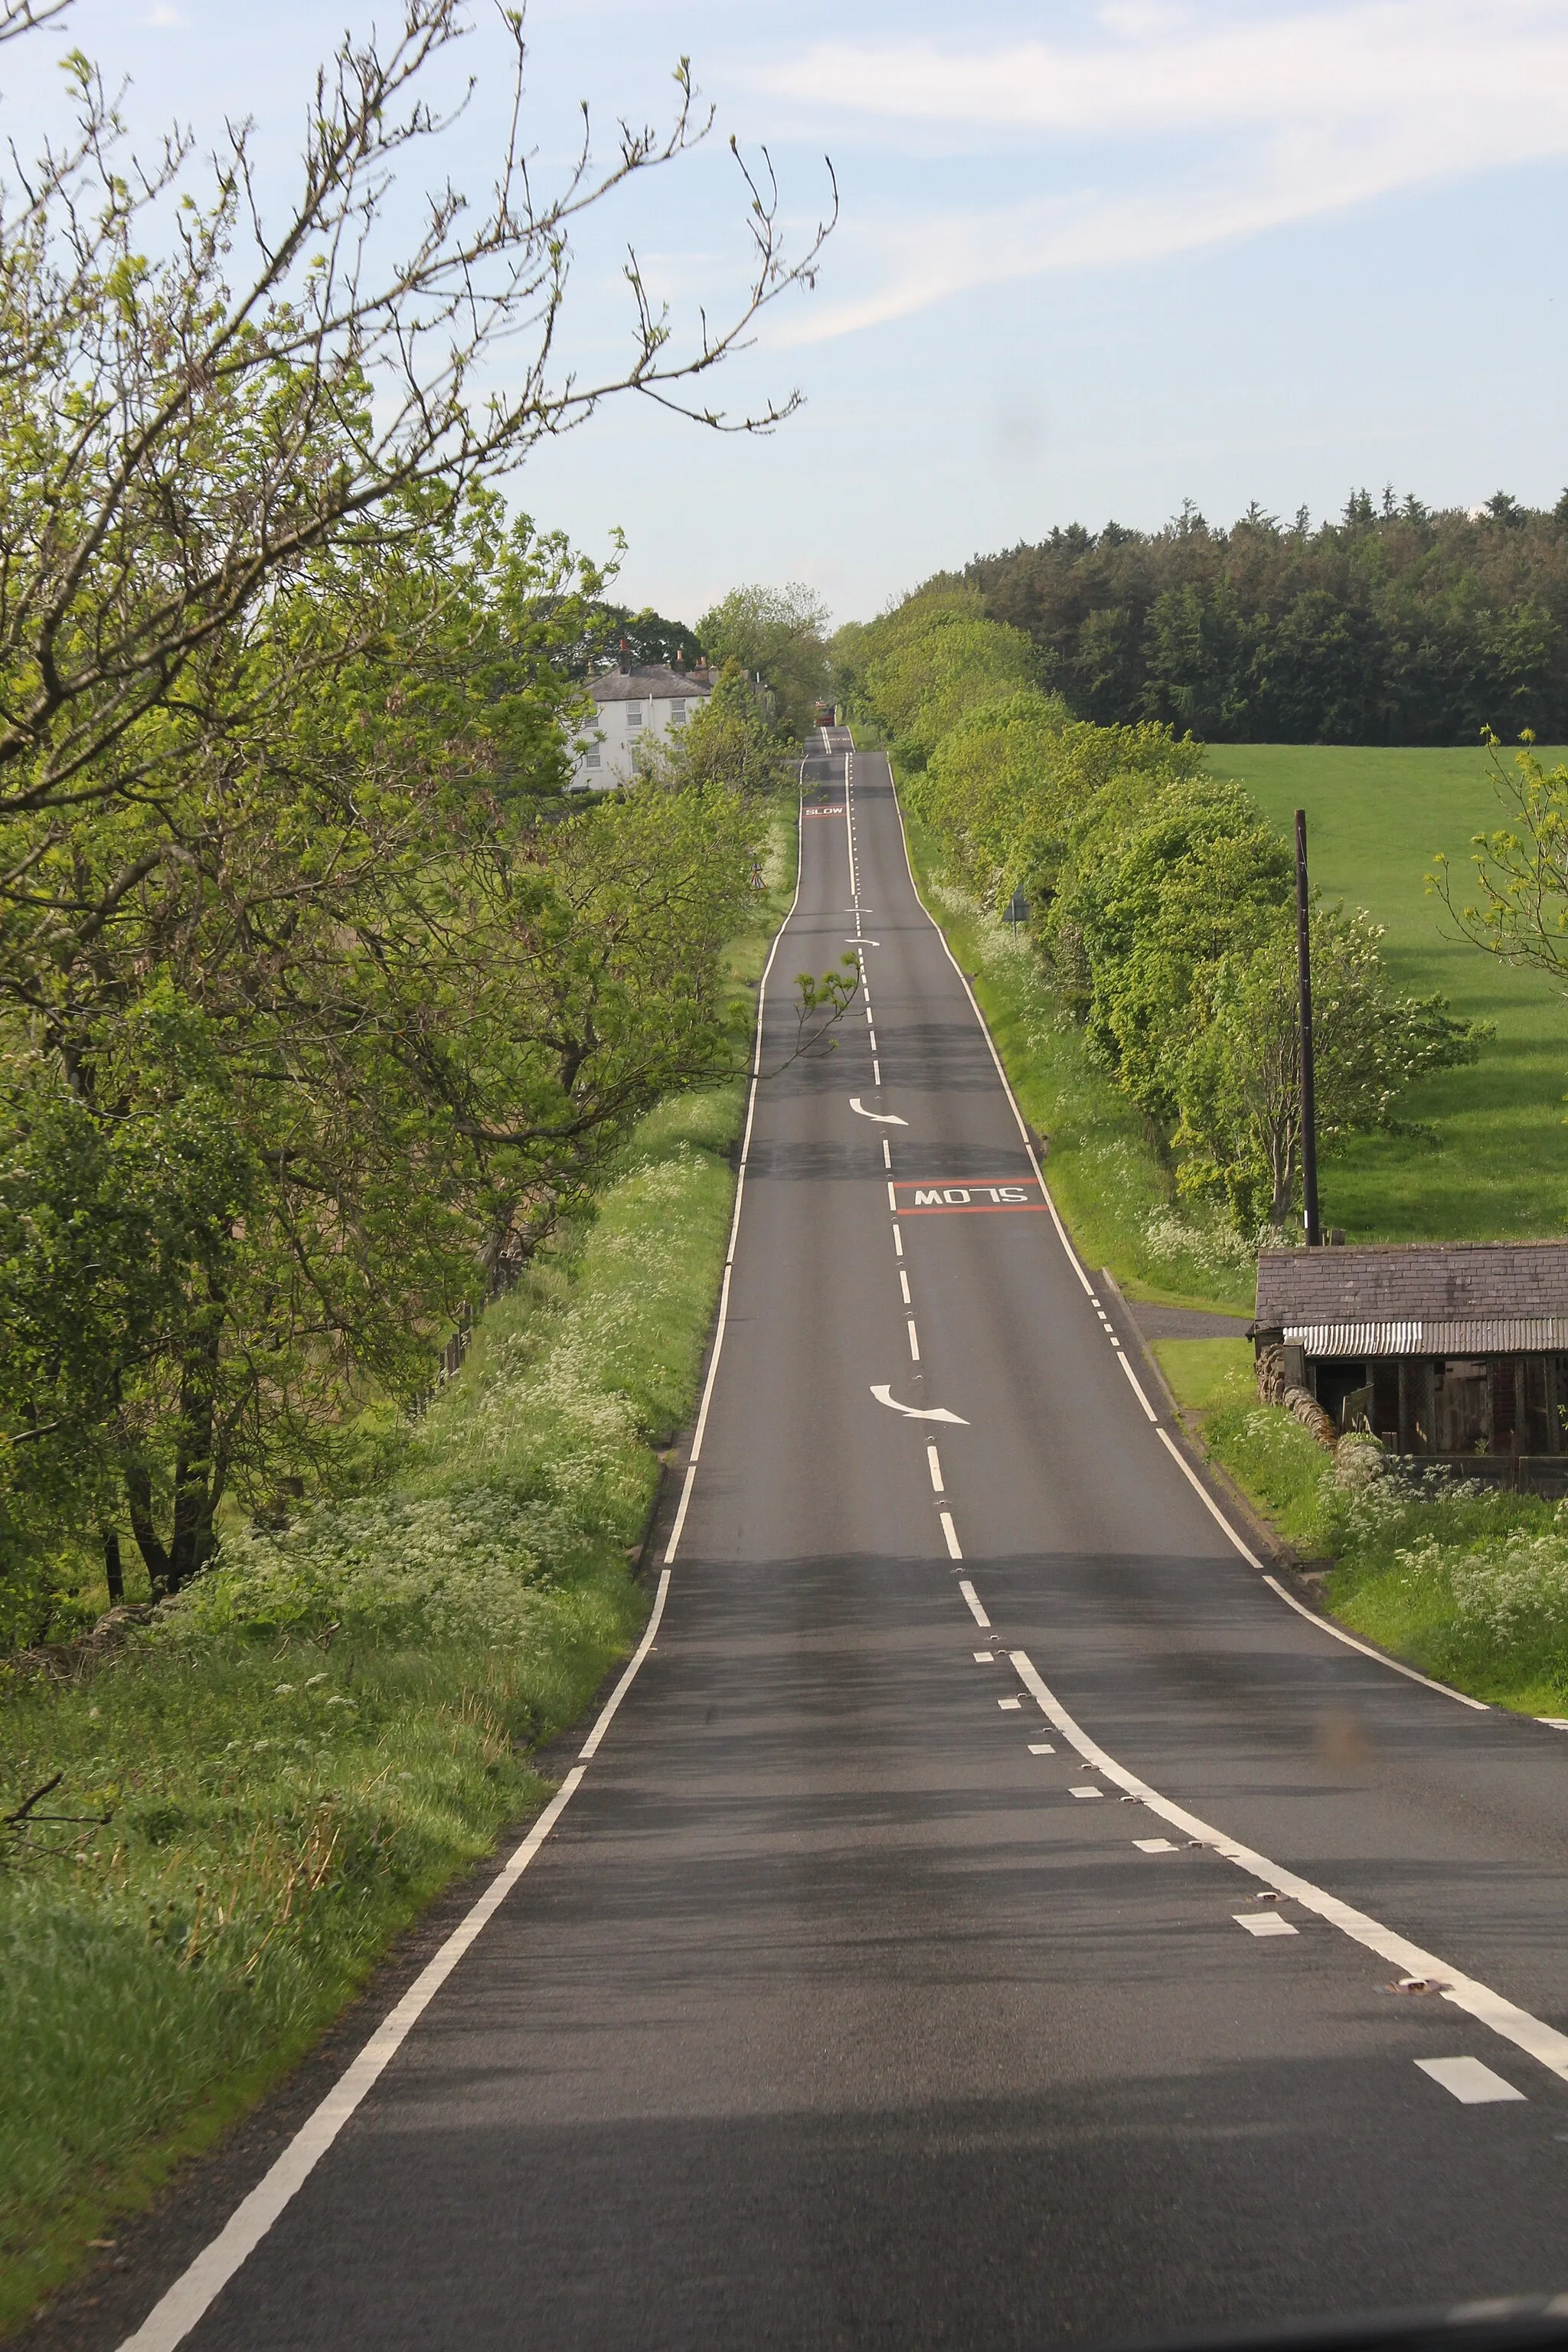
(678, 714)
(591, 758)
(633, 714)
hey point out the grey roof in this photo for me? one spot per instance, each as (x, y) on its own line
(653, 684)
(1425, 1284)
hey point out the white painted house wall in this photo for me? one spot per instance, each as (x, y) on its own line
(631, 705)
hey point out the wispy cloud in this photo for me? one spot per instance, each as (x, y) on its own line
(1181, 127)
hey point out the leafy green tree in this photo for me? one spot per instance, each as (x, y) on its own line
(1239, 1085)
(936, 658)
(729, 741)
(181, 434)
(779, 636)
(1198, 878)
(1516, 906)
(317, 1005)
(1009, 787)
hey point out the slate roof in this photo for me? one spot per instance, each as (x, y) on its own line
(1422, 1298)
(650, 684)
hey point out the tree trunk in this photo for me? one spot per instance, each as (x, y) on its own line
(197, 1479)
(113, 1572)
(139, 1497)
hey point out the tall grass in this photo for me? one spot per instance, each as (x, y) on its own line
(1468, 1583)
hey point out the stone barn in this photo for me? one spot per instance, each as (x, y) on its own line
(1454, 1352)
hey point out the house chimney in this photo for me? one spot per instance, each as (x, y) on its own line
(626, 657)
(700, 668)
(679, 659)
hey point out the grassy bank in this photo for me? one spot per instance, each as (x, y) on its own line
(270, 1780)
(1105, 1168)
(1468, 1585)
(1500, 1163)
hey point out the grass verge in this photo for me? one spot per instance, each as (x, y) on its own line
(268, 1783)
(1467, 1584)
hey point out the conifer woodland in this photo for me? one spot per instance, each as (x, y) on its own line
(1394, 624)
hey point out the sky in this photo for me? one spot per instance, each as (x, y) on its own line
(1090, 260)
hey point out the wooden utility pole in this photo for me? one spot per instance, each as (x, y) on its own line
(1309, 1083)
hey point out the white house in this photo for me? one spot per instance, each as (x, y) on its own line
(634, 702)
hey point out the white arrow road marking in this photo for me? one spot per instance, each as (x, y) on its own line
(858, 942)
(882, 1118)
(936, 1413)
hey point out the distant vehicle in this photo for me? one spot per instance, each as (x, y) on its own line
(827, 714)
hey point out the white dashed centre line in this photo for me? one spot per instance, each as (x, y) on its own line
(975, 1609)
(1041, 1748)
(951, 1532)
(904, 1286)
(887, 1157)
(1263, 1923)
(935, 1468)
(914, 1343)
(1154, 1845)
(1473, 2084)
(898, 1243)
(1086, 1792)
(983, 1657)
(1011, 1703)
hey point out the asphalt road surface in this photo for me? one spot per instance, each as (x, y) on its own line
(981, 1922)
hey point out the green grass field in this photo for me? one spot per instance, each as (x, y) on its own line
(1376, 821)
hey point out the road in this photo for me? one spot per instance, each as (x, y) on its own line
(979, 1924)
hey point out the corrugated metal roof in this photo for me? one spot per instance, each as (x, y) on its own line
(1448, 1282)
(1479, 1336)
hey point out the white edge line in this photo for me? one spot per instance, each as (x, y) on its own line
(180, 2308)
(1377, 1656)
(1531, 2034)
(183, 2304)
(1213, 1508)
(590, 1747)
(1323, 1625)
(1137, 1389)
(976, 1608)
(1176, 1455)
